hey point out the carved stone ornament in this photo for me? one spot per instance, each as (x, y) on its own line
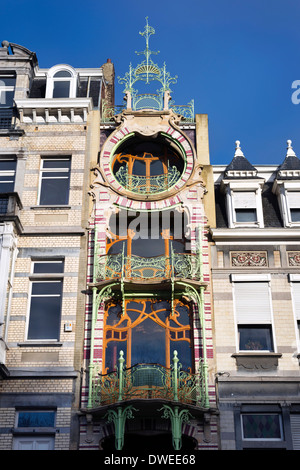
(248, 259)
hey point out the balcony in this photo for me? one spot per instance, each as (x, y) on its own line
(147, 381)
(155, 269)
(10, 206)
(147, 184)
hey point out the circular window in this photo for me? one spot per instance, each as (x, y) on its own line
(147, 167)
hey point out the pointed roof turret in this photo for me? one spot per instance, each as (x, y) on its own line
(240, 167)
(290, 168)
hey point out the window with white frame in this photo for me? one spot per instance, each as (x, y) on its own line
(244, 203)
(45, 300)
(7, 174)
(293, 200)
(295, 288)
(253, 314)
(61, 82)
(36, 430)
(54, 181)
(261, 426)
(288, 193)
(245, 207)
(7, 90)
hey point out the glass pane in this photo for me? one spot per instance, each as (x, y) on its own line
(156, 168)
(146, 333)
(113, 353)
(184, 353)
(46, 288)
(62, 73)
(7, 81)
(255, 338)
(259, 426)
(295, 215)
(139, 168)
(54, 191)
(48, 267)
(6, 187)
(246, 215)
(57, 163)
(61, 89)
(44, 322)
(6, 98)
(148, 248)
(7, 165)
(36, 419)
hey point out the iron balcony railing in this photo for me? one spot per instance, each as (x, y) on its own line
(178, 265)
(147, 381)
(147, 184)
(7, 118)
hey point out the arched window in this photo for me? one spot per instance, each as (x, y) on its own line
(61, 82)
(147, 167)
(148, 332)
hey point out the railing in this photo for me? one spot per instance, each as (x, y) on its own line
(7, 118)
(10, 204)
(178, 265)
(147, 184)
(147, 381)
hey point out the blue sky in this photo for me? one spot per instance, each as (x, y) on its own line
(236, 58)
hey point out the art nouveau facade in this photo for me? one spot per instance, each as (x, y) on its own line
(146, 296)
(148, 348)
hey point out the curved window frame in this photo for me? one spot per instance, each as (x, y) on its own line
(51, 79)
(121, 333)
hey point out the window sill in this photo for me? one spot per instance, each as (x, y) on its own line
(53, 207)
(40, 344)
(255, 360)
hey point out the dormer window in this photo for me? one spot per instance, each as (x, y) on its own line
(61, 82)
(287, 188)
(242, 188)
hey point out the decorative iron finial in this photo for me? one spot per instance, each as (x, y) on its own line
(147, 71)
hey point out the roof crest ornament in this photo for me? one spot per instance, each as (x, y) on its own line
(147, 71)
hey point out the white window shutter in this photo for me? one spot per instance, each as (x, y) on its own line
(244, 200)
(294, 199)
(252, 302)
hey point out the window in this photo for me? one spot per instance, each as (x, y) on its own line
(245, 207)
(45, 301)
(261, 426)
(294, 205)
(295, 287)
(55, 181)
(61, 82)
(147, 332)
(253, 315)
(7, 174)
(7, 90)
(147, 167)
(29, 422)
(288, 194)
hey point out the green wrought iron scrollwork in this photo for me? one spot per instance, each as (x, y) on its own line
(147, 184)
(146, 381)
(118, 418)
(177, 418)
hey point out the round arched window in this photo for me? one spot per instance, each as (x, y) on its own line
(147, 167)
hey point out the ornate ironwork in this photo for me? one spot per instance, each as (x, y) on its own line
(147, 184)
(147, 381)
(117, 266)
